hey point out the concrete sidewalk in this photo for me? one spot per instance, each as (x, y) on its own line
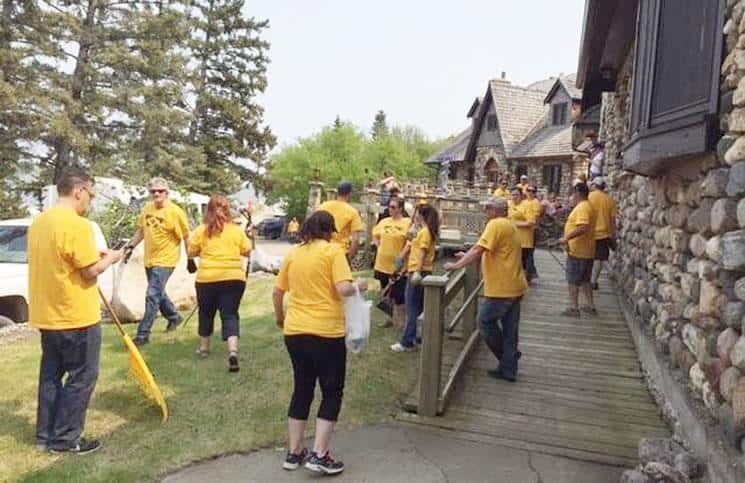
(408, 455)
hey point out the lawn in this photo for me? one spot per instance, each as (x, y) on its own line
(212, 412)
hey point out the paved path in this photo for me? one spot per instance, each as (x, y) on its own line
(580, 391)
(408, 455)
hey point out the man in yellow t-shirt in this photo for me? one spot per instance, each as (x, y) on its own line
(523, 184)
(605, 226)
(163, 226)
(521, 215)
(293, 229)
(535, 208)
(502, 191)
(580, 241)
(63, 265)
(500, 253)
(348, 222)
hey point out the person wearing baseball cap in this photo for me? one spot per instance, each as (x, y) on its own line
(348, 222)
(605, 225)
(523, 184)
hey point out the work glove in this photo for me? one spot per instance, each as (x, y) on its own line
(415, 278)
(398, 264)
(191, 265)
(128, 249)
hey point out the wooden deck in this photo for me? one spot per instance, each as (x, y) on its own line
(580, 391)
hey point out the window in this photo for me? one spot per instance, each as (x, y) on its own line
(491, 171)
(559, 114)
(676, 82)
(491, 122)
(552, 178)
(522, 170)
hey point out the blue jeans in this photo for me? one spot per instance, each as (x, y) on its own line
(502, 341)
(414, 297)
(60, 414)
(156, 299)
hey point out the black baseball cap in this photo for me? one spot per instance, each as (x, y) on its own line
(344, 188)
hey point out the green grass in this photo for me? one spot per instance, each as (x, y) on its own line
(212, 412)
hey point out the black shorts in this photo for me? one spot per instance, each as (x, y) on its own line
(579, 270)
(224, 297)
(397, 292)
(602, 249)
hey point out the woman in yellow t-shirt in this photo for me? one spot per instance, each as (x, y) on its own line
(220, 245)
(390, 236)
(421, 260)
(316, 275)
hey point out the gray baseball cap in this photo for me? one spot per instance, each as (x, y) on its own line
(495, 202)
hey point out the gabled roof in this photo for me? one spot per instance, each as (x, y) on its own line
(474, 107)
(518, 109)
(567, 82)
(549, 141)
(455, 151)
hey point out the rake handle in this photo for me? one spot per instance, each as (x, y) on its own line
(111, 311)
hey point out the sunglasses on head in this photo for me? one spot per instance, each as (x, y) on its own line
(157, 191)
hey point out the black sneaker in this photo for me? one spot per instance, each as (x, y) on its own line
(83, 446)
(324, 464)
(140, 341)
(173, 325)
(498, 374)
(293, 461)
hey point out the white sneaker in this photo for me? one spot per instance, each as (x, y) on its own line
(397, 347)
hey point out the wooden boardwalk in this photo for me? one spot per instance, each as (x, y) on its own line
(580, 391)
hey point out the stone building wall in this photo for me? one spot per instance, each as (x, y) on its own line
(483, 154)
(681, 241)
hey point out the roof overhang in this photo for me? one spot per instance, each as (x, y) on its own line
(607, 33)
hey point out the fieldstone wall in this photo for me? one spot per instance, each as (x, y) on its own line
(681, 246)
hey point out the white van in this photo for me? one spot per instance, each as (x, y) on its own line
(14, 269)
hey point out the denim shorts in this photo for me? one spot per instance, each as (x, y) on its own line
(579, 270)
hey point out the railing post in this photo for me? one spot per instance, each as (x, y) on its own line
(430, 363)
(470, 283)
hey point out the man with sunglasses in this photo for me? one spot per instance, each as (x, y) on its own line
(163, 226)
(63, 267)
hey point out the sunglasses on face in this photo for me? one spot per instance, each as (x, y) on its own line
(157, 192)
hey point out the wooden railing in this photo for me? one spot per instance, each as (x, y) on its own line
(439, 292)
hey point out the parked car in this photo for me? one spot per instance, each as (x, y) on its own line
(272, 228)
(14, 270)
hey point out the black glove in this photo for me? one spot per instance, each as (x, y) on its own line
(128, 249)
(191, 265)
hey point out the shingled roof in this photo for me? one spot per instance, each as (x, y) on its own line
(567, 82)
(518, 111)
(455, 151)
(549, 141)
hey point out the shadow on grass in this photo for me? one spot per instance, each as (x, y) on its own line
(23, 430)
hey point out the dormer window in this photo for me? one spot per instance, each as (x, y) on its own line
(491, 122)
(559, 113)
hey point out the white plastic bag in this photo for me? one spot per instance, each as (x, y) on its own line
(357, 315)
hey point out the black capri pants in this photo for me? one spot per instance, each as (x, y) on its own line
(317, 358)
(224, 296)
(397, 292)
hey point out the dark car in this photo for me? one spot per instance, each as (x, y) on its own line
(272, 227)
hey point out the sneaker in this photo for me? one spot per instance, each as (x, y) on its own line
(293, 461)
(498, 374)
(324, 464)
(83, 446)
(173, 325)
(589, 310)
(233, 362)
(398, 347)
(570, 312)
(140, 341)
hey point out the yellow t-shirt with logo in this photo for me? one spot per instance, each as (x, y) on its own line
(220, 257)
(309, 274)
(605, 211)
(392, 234)
(60, 244)
(522, 212)
(346, 219)
(501, 192)
(423, 243)
(501, 262)
(581, 246)
(164, 228)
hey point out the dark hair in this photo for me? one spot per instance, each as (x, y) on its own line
(319, 226)
(431, 219)
(344, 188)
(582, 189)
(394, 191)
(72, 178)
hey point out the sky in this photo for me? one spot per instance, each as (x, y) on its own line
(422, 62)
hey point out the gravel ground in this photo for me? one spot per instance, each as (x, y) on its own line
(15, 333)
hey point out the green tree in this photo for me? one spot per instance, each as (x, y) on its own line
(227, 122)
(380, 126)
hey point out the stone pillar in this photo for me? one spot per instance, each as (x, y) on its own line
(314, 197)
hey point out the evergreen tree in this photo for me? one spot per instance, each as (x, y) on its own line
(227, 122)
(380, 126)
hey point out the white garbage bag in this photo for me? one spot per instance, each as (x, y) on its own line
(357, 315)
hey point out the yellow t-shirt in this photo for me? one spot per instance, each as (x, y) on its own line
(501, 262)
(60, 244)
(422, 243)
(293, 227)
(392, 235)
(522, 212)
(164, 229)
(309, 274)
(502, 192)
(581, 246)
(605, 212)
(346, 219)
(535, 208)
(220, 257)
(523, 187)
